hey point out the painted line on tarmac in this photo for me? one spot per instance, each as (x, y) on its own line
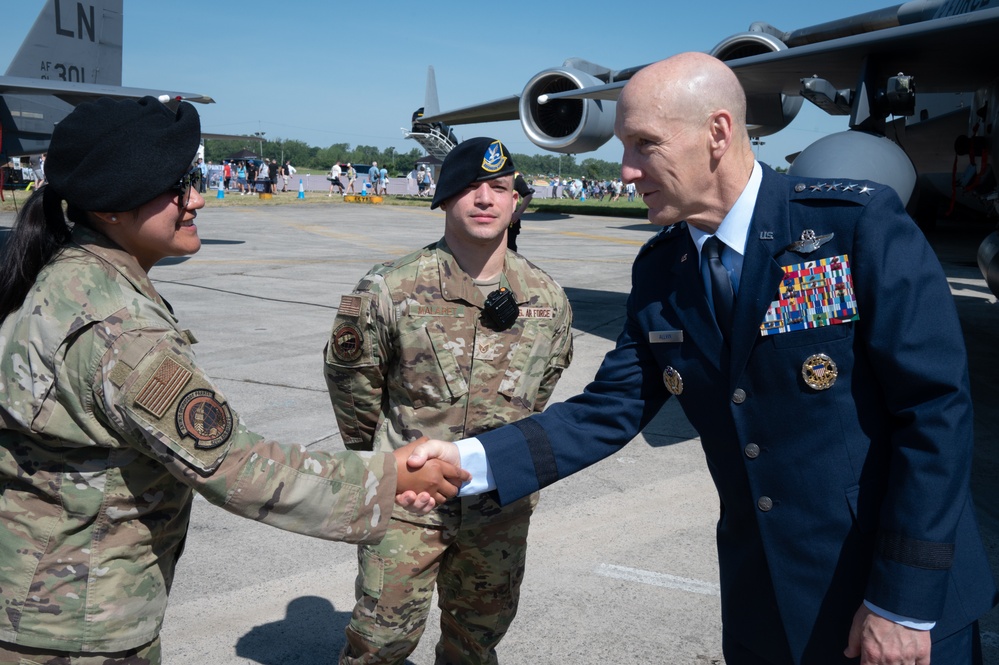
(658, 579)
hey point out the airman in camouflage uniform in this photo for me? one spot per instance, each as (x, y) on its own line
(411, 354)
(108, 426)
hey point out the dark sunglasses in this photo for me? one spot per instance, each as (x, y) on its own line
(185, 185)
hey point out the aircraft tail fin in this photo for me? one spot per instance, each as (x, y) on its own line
(75, 41)
(431, 106)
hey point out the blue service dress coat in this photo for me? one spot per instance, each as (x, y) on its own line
(829, 494)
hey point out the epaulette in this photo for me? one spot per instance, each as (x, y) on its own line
(395, 264)
(858, 192)
(665, 234)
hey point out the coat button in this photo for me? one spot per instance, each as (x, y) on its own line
(765, 503)
(739, 396)
(752, 451)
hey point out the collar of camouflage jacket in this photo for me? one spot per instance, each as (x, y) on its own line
(456, 284)
(124, 263)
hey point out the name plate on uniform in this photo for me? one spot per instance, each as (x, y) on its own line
(537, 313)
(665, 336)
(812, 294)
(453, 311)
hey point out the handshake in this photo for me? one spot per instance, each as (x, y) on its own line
(429, 473)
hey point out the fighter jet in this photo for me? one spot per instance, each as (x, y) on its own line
(72, 54)
(868, 67)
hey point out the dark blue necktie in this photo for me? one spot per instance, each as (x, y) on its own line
(721, 285)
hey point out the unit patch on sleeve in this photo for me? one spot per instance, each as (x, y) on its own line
(347, 342)
(204, 419)
(812, 294)
(163, 387)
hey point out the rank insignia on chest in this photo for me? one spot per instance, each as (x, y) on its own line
(819, 372)
(812, 294)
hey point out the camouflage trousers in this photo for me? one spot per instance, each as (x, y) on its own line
(476, 559)
(15, 654)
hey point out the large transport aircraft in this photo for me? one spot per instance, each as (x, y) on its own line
(919, 82)
(72, 54)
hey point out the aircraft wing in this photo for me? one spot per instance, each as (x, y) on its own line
(945, 55)
(609, 91)
(75, 93)
(952, 54)
(506, 108)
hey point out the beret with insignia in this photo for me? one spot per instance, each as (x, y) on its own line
(114, 155)
(474, 160)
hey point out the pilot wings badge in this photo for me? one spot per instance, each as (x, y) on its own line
(493, 160)
(809, 242)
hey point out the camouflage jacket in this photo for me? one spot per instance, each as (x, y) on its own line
(106, 427)
(410, 354)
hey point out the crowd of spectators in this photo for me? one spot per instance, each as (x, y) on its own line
(251, 176)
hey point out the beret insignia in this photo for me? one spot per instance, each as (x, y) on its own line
(493, 160)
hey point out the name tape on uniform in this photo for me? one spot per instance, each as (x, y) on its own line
(455, 311)
(665, 336)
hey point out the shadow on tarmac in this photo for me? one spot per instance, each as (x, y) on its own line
(213, 241)
(544, 217)
(175, 260)
(311, 632)
(598, 313)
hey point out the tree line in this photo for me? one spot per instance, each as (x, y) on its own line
(302, 155)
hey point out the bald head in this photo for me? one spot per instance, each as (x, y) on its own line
(682, 123)
(688, 87)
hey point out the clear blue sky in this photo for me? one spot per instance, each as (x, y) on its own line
(329, 72)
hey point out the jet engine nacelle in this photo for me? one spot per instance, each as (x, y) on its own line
(769, 113)
(568, 126)
(856, 155)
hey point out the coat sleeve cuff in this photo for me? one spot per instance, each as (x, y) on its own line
(908, 622)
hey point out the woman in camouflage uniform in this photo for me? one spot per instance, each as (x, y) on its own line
(107, 425)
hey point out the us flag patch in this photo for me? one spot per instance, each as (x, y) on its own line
(350, 305)
(163, 387)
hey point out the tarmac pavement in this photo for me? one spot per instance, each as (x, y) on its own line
(621, 566)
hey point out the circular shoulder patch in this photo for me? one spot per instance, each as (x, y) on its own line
(347, 342)
(204, 419)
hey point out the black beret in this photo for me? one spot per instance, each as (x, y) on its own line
(114, 155)
(474, 160)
